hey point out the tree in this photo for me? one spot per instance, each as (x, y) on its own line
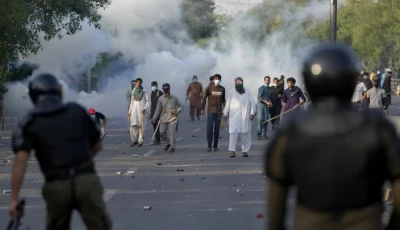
(23, 22)
(372, 29)
(199, 19)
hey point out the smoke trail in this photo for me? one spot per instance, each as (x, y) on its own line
(155, 46)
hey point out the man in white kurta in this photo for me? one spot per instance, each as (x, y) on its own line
(139, 103)
(240, 109)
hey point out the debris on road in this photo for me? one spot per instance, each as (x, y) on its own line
(237, 190)
(180, 170)
(260, 216)
(229, 209)
(242, 194)
(194, 136)
(236, 171)
(135, 155)
(181, 180)
(7, 161)
(133, 177)
(159, 163)
(123, 152)
(118, 173)
(7, 191)
(203, 178)
(130, 172)
(123, 143)
(147, 208)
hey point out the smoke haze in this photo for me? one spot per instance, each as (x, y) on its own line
(156, 47)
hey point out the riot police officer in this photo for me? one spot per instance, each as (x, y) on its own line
(65, 140)
(337, 158)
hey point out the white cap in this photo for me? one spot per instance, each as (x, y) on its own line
(388, 70)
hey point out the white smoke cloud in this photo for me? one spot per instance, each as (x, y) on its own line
(134, 29)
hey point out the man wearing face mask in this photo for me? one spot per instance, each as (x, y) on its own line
(386, 84)
(276, 100)
(368, 83)
(128, 99)
(194, 94)
(240, 108)
(139, 103)
(263, 105)
(215, 95)
(155, 95)
(167, 110)
(376, 96)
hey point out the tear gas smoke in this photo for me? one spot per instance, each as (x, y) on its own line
(151, 38)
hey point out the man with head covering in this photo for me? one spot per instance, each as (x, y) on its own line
(66, 157)
(97, 116)
(155, 95)
(128, 99)
(168, 109)
(194, 94)
(139, 103)
(240, 108)
(376, 96)
(386, 84)
(336, 157)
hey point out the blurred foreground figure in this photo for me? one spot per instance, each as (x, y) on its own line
(65, 140)
(338, 158)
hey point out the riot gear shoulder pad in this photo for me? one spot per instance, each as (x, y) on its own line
(331, 70)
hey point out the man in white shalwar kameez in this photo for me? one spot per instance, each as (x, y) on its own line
(240, 108)
(139, 103)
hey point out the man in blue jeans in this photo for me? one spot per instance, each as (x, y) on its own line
(263, 105)
(215, 94)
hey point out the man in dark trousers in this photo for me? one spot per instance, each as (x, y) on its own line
(194, 94)
(337, 157)
(155, 95)
(65, 157)
(97, 116)
(215, 95)
(276, 100)
(368, 83)
(386, 80)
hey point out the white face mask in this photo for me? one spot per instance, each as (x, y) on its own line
(194, 80)
(365, 76)
(217, 82)
(275, 84)
(154, 88)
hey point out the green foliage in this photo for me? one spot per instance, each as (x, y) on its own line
(21, 72)
(24, 22)
(199, 19)
(372, 29)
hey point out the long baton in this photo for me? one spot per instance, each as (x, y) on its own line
(279, 115)
(155, 131)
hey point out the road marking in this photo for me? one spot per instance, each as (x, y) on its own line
(196, 130)
(131, 171)
(149, 153)
(5, 137)
(179, 138)
(179, 165)
(108, 194)
(10, 157)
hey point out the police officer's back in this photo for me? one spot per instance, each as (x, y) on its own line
(65, 140)
(337, 158)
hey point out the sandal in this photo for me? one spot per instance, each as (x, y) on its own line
(232, 155)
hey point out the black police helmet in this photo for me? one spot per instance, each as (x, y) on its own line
(331, 70)
(44, 85)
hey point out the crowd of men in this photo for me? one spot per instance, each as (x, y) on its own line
(238, 110)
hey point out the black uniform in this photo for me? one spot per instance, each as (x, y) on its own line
(276, 100)
(155, 95)
(64, 138)
(337, 158)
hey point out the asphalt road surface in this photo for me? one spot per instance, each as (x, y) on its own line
(213, 192)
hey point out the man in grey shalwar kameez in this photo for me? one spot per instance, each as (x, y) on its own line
(263, 105)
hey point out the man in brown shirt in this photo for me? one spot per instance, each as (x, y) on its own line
(215, 94)
(194, 94)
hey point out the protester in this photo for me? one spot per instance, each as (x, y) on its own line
(139, 103)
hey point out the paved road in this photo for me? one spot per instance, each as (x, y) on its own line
(213, 192)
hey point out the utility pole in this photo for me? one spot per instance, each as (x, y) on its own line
(89, 79)
(333, 20)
